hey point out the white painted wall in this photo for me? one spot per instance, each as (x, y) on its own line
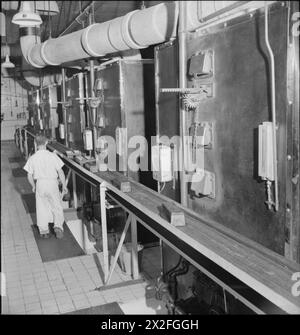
(14, 102)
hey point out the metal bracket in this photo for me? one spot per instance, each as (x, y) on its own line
(93, 102)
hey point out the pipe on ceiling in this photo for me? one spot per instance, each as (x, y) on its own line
(33, 78)
(136, 30)
(30, 36)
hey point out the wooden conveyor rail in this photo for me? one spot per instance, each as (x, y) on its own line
(254, 274)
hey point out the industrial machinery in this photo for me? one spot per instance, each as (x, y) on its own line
(219, 123)
(74, 112)
(49, 110)
(227, 81)
(121, 114)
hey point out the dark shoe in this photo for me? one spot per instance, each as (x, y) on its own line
(58, 232)
(45, 235)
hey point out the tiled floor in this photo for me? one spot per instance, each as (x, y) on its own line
(57, 287)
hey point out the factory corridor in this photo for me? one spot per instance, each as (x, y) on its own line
(70, 285)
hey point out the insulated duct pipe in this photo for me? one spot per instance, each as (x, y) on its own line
(29, 72)
(135, 30)
(32, 77)
(30, 36)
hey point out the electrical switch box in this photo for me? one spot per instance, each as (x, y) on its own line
(88, 139)
(70, 137)
(100, 120)
(203, 183)
(265, 151)
(203, 134)
(201, 64)
(161, 156)
(41, 124)
(62, 131)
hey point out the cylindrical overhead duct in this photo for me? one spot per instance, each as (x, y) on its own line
(58, 50)
(93, 32)
(135, 30)
(33, 78)
(154, 25)
(29, 36)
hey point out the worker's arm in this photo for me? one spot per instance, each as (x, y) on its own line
(62, 179)
(31, 181)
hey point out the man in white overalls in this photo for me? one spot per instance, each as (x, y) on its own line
(44, 167)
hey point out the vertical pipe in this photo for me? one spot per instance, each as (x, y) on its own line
(26, 144)
(104, 232)
(134, 250)
(87, 123)
(273, 104)
(63, 85)
(94, 110)
(21, 141)
(75, 202)
(182, 84)
(92, 81)
(157, 83)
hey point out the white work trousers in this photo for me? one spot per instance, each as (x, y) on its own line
(48, 205)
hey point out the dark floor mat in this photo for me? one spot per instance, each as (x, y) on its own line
(53, 249)
(19, 172)
(22, 186)
(111, 308)
(29, 202)
(15, 159)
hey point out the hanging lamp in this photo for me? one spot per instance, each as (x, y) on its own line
(27, 17)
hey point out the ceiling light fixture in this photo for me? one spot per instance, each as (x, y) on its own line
(47, 7)
(7, 64)
(26, 17)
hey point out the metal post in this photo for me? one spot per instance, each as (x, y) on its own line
(92, 81)
(182, 84)
(104, 231)
(75, 202)
(123, 235)
(134, 251)
(26, 144)
(273, 104)
(21, 141)
(64, 109)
